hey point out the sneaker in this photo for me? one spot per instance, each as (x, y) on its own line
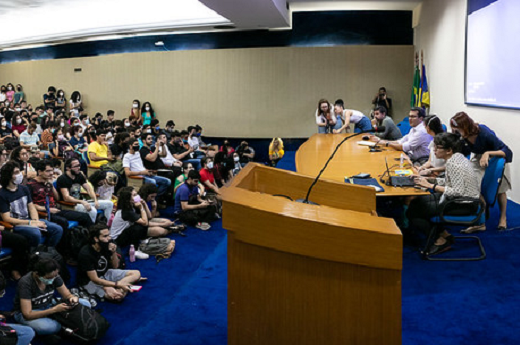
(203, 226)
(140, 255)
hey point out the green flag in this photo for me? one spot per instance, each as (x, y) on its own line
(416, 85)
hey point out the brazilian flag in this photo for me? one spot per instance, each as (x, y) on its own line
(416, 86)
(424, 93)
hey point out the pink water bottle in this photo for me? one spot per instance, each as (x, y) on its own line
(132, 253)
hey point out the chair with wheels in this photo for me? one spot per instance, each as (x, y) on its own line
(447, 217)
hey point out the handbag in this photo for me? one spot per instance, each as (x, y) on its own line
(82, 323)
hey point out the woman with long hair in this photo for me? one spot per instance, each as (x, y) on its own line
(483, 144)
(135, 113)
(75, 103)
(147, 113)
(434, 165)
(21, 156)
(61, 101)
(276, 151)
(325, 118)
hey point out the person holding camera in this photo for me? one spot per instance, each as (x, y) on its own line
(382, 100)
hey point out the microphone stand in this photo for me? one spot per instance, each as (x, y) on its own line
(306, 200)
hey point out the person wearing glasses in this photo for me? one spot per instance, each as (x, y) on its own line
(416, 143)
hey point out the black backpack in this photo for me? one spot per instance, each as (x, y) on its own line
(82, 323)
(8, 335)
(78, 237)
(45, 252)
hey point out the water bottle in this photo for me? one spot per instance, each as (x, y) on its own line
(401, 161)
(132, 253)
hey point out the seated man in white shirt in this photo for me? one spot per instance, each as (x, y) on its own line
(414, 144)
(29, 137)
(165, 154)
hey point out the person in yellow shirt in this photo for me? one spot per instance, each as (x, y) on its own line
(276, 151)
(98, 151)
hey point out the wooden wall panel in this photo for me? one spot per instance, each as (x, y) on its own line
(259, 92)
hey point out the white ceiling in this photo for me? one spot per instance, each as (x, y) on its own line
(57, 21)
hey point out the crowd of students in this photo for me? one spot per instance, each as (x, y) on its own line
(46, 154)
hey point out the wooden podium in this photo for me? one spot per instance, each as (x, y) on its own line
(307, 274)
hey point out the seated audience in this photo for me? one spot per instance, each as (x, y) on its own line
(207, 178)
(181, 153)
(187, 167)
(189, 205)
(98, 267)
(17, 208)
(69, 189)
(415, 144)
(98, 152)
(33, 303)
(246, 153)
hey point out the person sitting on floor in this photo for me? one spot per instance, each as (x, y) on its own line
(34, 295)
(460, 181)
(189, 205)
(98, 264)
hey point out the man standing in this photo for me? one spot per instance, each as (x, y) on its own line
(382, 100)
(414, 144)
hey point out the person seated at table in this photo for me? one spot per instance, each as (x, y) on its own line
(348, 116)
(415, 144)
(325, 117)
(434, 165)
(33, 302)
(98, 263)
(483, 144)
(460, 181)
(98, 151)
(276, 151)
(391, 132)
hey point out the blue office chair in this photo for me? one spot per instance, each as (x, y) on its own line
(489, 191)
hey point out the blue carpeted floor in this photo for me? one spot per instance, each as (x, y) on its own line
(185, 300)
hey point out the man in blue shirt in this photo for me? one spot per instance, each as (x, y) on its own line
(189, 205)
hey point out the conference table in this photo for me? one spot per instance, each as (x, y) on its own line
(351, 159)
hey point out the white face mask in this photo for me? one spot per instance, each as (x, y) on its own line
(147, 108)
(148, 131)
(87, 121)
(62, 124)
(60, 137)
(18, 179)
(127, 124)
(18, 121)
(9, 88)
(236, 159)
(4, 123)
(135, 105)
(210, 165)
(18, 109)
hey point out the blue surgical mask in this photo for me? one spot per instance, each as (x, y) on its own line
(185, 141)
(47, 281)
(198, 134)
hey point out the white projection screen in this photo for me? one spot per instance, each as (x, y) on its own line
(493, 53)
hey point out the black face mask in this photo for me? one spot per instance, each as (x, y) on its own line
(104, 245)
(135, 148)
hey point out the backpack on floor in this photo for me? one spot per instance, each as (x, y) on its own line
(82, 323)
(46, 252)
(8, 335)
(161, 247)
(78, 237)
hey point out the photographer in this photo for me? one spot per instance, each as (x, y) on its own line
(381, 100)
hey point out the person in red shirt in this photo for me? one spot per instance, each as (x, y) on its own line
(206, 175)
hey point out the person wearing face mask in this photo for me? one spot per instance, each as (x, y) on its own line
(170, 126)
(181, 153)
(61, 101)
(10, 92)
(187, 167)
(135, 113)
(19, 95)
(18, 125)
(207, 177)
(237, 166)
(49, 99)
(165, 154)
(3, 93)
(17, 208)
(33, 302)
(75, 103)
(84, 121)
(5, 131)
(98, 120)
(134, 166)
(77, 141)
(193, 142)
(110, 121)
(147, 113)
(189, 205)
(69, 189)
(21, 156)
(133, 221)
(227, 149)
(59, 144)
(98, 264)
(120, 145)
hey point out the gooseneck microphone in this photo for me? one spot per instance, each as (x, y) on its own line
(306, 200)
